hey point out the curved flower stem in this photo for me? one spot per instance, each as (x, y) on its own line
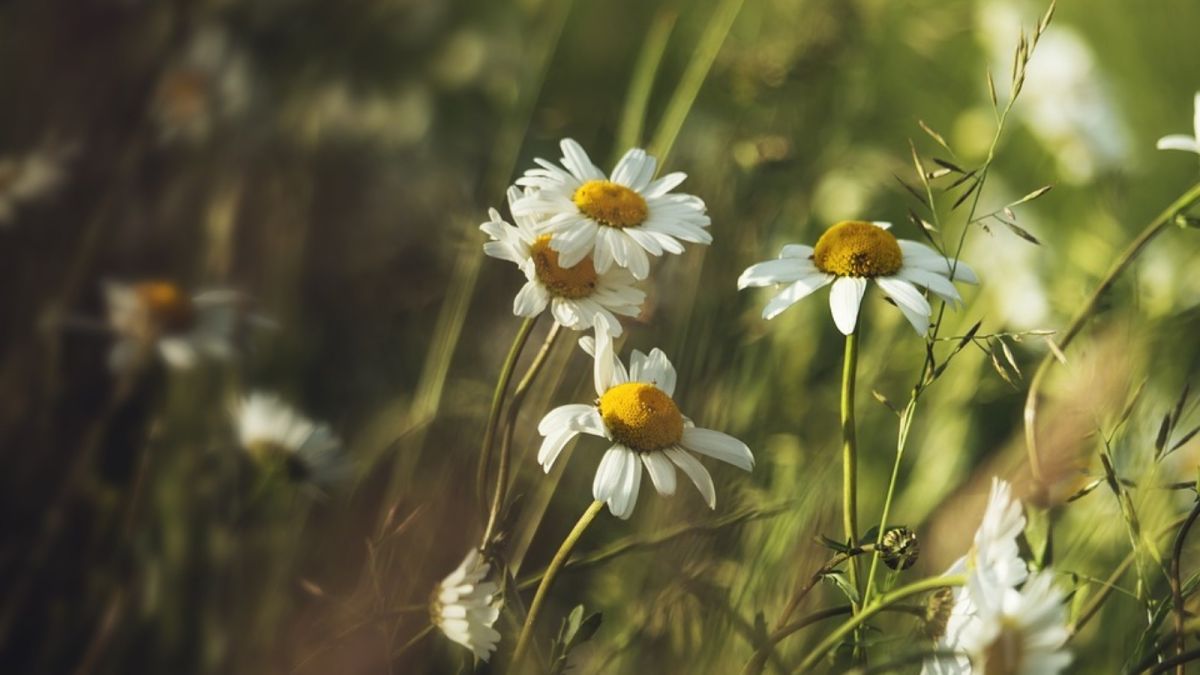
(906, 419)
(1177, 582)
(539, 598)
(850, 456)
(510, 423)
(1131, 252)
(869, 611)
(489, 433)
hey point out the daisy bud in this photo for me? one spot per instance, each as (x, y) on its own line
(899, 548)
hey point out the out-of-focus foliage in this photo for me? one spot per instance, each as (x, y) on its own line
(333, 161)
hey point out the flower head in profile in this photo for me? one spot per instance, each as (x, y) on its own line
(615, 219)
(31, 177)
(151, 317)
(274, 433)
(993, 563)
(636, 411)
(1182, 142)
(1018, 632)
(578, 296)
(464, 606)
(850, 254)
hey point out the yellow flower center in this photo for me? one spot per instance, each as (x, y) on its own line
(166, 305)
(565, 282)
(1005, 655)
(853, 248)
(610, 204)
(641, 416)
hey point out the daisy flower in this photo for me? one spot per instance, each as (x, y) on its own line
(1019, 632)
(994, 562)
(158, 316)
(464, 606)
(29, 178)
(636, 411)
(578, 296)
(210, 82)
(272, 431)
(850, 254)
(615, 219)
(1182, 142)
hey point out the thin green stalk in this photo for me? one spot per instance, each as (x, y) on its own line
(510, 423)
(1123, 261)
(850, 456)
(861, 617)
(693, 77)
(901, 441)
(637, 98)
(489, 433)
(539, 598)
(1177, 581)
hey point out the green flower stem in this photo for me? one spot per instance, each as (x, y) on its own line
(510, 423)
(1131, 252)
(850, 457)
(489, 434)
(869, 611)
(539, 598)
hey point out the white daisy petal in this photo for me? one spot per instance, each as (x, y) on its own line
(779, 271)
(1178, 142)
(608, 474)
(794, 293)
(912, 304)
(845, 298)
(718, 446)
(696, 471)
(661, 470)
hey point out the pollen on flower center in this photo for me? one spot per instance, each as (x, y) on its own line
(167, 306)
(569, 282)
(641, 416)
(610, 204)
(853, 248)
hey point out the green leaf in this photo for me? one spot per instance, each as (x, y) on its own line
(842, 582)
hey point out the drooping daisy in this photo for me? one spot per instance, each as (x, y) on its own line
(578, 296)
(464, 606)
(1182, 142)
(615, 219)
(158, 316)
(636, 411)
(30, 177)
(994, 562)
(1018, 632)
(275, 433)
(850, 254)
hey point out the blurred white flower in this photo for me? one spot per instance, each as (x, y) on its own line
(578, 296)
(1018, 632)
(30, 177)
(636, 411)
(850, 254)
(271, 431)
(993, 563)
(209, 83)
(464, 606)
(158, 316)
(618, 218)
(1181, 142)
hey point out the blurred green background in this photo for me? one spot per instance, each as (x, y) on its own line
(334, 160)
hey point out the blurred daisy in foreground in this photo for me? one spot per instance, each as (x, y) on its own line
(209, 83)
(850, 254)
(464, 606)
(1018, 632)
(158, 316)
(993, 563)
(578, 296)
(615, 219)
(275, 434)
(1182, 142)
(636, 411)
(30, 178)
